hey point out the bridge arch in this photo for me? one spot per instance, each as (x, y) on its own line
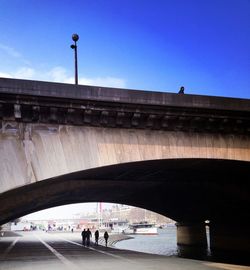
(33, 152)
(190, 190)
(57, 137)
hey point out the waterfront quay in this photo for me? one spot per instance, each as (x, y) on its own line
(41, 250)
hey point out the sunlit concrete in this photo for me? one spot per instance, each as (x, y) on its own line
(33, 152)
(184, 156)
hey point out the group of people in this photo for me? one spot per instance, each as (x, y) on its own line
(86, 235)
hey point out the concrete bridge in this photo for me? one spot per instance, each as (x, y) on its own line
(184, 156)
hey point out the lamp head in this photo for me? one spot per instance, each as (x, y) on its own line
(75, 37)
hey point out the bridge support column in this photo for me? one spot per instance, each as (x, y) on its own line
(192, 240)
(191, 234)
(229, 238)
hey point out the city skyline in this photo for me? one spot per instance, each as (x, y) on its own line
(101, 212)
(159, 46)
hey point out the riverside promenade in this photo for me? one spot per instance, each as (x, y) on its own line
(53, 251)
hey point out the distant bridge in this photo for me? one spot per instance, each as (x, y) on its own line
(184, 156)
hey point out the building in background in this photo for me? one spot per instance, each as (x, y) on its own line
(115, 219)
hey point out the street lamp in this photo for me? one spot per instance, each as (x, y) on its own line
(75, 38)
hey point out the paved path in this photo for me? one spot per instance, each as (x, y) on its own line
(33, 251)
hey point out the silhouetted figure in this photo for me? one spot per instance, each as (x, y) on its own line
(181, 91)
(84, 237)
(96, 237)
(106, 237)
(88, 235)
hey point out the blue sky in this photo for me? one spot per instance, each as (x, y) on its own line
(138, 44)
(156, 45)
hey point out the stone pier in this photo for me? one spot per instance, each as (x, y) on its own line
(191, 234)
(230, 237)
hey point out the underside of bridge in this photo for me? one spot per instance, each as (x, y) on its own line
(189, 191)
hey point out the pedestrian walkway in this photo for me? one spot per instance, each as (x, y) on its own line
(33, 251)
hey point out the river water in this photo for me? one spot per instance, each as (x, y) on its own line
(165, 244)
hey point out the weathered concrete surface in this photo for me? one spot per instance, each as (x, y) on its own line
(50, 129)
(33, 152)
(107, 94)
(43, 102)
(192, 152)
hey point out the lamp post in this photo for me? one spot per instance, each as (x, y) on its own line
(75, 38)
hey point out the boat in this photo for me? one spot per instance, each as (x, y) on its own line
(115, 225)
(144, 228)
(167, 225)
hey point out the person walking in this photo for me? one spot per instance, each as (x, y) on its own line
(84, 237)
(106, 237)
(88, 235)
(181, 91)
(96, 237)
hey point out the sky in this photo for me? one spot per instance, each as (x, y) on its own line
(68, 211)
(156, 45)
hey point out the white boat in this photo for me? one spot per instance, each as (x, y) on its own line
(141, 228)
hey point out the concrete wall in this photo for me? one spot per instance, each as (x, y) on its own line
(33, 152)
